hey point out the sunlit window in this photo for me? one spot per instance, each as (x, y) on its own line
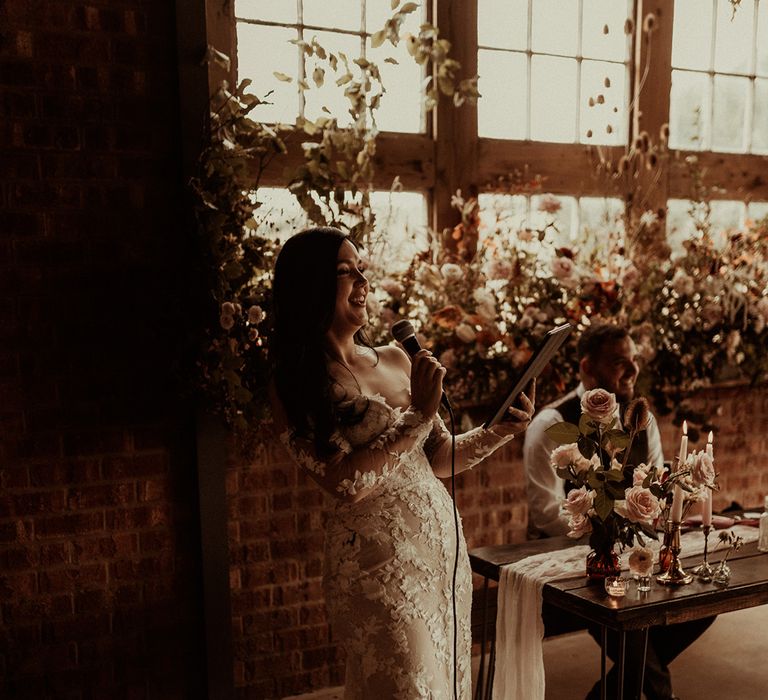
(554, 70)
(400, 230)
(686, 218)
(265, 31)
(719, 98)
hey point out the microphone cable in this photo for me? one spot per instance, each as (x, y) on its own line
(456, 555)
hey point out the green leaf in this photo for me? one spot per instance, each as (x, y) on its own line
(563, 433)
(603, 505)
(586, 425)
(587, 447)
(618, 439)
(282, 76)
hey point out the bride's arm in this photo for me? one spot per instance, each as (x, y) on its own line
(475, 445)
(350, 474)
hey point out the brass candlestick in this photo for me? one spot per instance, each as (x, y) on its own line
(674, 575)
(704, 571)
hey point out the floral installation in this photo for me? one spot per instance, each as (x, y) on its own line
(612, 501)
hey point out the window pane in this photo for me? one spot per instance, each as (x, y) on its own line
(339, 14)
(595, 43)
(760, 125)
(757, 210)
(253, 43)
(502, 109)
(553, 99)
(502, 214)
(730, 104)
(612, 111)
(733, 42)
(680, 224)
(267, 10)
(565, 219)
(688, 109)
(762, 39)
(692, 34)
(280, 214)
(503, 23)
(401, 105)
(555, 27)
(401, 219)
(725, 215)
(330, 95)
(598, 215)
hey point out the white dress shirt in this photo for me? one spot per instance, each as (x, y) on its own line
(545, 489)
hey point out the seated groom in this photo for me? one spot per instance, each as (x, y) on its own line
(607, 360)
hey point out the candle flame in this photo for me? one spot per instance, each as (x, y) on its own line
(685, 427)
(709, 437)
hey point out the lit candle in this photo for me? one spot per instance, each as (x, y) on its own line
(683, 447)
(706, 506)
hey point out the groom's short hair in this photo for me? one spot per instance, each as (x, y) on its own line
(596, 336)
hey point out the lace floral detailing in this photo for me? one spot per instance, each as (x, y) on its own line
(472, 447)
(302, 457)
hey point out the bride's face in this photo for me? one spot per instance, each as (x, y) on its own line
(351, 290)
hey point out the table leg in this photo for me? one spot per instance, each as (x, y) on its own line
(642, 660)
(484, 639)
(491, 669)
(603, 647)
(622, 649)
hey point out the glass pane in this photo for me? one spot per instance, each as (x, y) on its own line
(502, 23)
(339, 14)
(553, 99)
(565, 219)
(253, 43)
(730, 105)
(762, 39)
(733, 41)
(726, 215)
(611, 111)
(757, 211)
(555, 27)
(599, 215)
(280, 214)
(680, 224)
(502, 214)
(595, 43)
(503, 108)
(267, 10)
(401, 221)
(760, 124)
(329, 94)
(377, 12)
(692, 34)
(688, 109)
(401, 105)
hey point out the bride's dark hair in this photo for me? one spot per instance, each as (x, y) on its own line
(304, 302)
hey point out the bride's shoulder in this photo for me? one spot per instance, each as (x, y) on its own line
(393, 356)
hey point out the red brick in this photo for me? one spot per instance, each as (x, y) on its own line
(73, 579)
(102, 495)
(105, 548)
(67, 525)
(135, 466)
(41, 502)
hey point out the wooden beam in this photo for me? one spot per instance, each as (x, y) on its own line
(455, 129)
(737, 176)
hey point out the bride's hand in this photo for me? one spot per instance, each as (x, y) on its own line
(518, 418)
(426, 383)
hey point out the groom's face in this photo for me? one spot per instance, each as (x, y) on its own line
(613, 368)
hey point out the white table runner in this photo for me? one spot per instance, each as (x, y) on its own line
(519, 673)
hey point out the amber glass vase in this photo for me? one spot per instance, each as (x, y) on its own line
(665, 551)
(601, 563)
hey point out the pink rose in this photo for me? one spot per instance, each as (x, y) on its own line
(255, 315)
(579, 525)
(703, 469)
(641, 561)
(599, 404)
(564, 455)
(550, 204)
(562, 268)
(639, 504)
(226, 321)
(578, 501)
(639, 475)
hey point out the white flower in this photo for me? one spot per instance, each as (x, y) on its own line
(649, 218)
(564, 455)
(579, 525)
(452, 272)
(639, 475)
(702, 468)
(641, 561)
(682, 282)
(578, 501)
(465, 333)
(498, 269)
(255, 315)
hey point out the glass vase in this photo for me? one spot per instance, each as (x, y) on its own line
(665, 551)
(601, 563)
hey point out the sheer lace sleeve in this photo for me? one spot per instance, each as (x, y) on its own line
(353, 472)
(472, 447)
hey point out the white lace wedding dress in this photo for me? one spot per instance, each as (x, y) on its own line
(390, 555)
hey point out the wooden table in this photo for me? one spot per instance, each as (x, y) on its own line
(662, 605)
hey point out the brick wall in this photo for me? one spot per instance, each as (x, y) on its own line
(99, 570)
(282, 643)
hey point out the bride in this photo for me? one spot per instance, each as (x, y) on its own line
(363, 422)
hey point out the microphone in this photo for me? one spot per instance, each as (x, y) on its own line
(403, 333)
